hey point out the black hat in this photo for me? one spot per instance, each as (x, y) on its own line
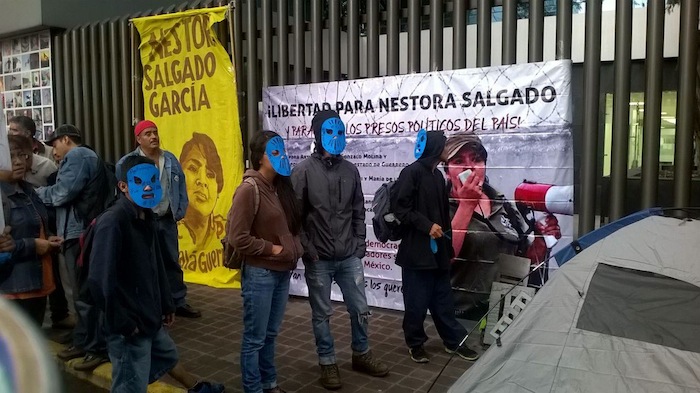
(65, 130)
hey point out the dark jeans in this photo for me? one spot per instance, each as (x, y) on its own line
(34, 308)
(425, 290)
(57, 299)
(167, 238)
(88, 334)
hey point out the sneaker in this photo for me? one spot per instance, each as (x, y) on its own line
(464, 352)
(187, 311)
(419, 355)
(368, 364)
(276, 389)
(330, 377)
(90, 362)
(207, 387)
(70, 352)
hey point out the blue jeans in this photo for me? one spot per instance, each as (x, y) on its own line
(350, 277)
(265, 293)
(140, 360)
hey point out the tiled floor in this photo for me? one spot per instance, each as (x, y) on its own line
(209, 347)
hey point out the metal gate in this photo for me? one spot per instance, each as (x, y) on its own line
(96, 71)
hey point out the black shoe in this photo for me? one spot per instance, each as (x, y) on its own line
(187, 311)
(419, 355)
(330, 377)
(70, 353)
(207, 387)
(276, 389)
(464, 352)
(90, 362)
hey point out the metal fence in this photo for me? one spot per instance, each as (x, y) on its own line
(97, 68)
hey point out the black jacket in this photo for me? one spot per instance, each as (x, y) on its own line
(127, 278)
(333, 208)
(419, 199)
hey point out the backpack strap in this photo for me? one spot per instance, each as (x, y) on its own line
(252, 182)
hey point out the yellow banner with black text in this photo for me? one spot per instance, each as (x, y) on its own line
(189, 90)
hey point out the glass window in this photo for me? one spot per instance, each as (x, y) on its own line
(636, 131)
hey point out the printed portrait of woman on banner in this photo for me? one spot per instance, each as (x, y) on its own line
(204, 178)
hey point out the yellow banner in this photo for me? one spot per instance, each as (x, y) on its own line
(189, 90)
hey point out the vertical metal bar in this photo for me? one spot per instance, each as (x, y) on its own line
(105, 72)
(353, 39)
(459, 34)
(75, 70)
(436, 35)
(652, 103)
(137, 74)
(535, 48)
(84, 61)
(253, 91)
(621, 108)
(414, 14)
(316, 41)
(564, 12)
(299, 43)
(116, 87)
(687, 57)
(267, 43)
(59, 53)
(95, 96)
(591, 107)
(510, 31)
(127, 95)
(372, 38)
(483, 33)
(392, 37)
(238, 44)
(230, 16)
(68, 77)
(334, 24)
(283, 42)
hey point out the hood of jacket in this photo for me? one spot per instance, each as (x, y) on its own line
(434, 146)
(259, 178)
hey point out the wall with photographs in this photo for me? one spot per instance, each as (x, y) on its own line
(26, 84)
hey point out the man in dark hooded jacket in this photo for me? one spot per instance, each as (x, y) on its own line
(420, 201)
(329, 190)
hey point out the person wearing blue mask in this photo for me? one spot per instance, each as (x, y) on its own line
(420, 202)
(128, 282)
(329, 189)
(263, 226)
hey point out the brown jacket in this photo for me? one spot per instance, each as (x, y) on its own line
(255, 234)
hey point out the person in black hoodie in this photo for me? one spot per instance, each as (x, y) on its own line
(128, 282)
(329, 190)
(420, 202)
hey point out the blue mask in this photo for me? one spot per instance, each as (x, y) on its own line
(277, 154)
(144, 185)
(333, 135)
(421, 141)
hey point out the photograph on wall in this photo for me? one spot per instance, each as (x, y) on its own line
(508, 130)
(26, 75)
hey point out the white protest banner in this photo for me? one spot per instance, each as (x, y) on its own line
(521, 113)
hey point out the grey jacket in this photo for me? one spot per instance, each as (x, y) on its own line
(333, 208)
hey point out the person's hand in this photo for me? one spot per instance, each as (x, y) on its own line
(44, 246)
(56, 240)
(471, 190)
(276, 249)
(549, 226)
(436, 231)
(7, 243)
(169, 319)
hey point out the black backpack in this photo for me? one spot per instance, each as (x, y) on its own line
(385, 224)
(99, 193)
